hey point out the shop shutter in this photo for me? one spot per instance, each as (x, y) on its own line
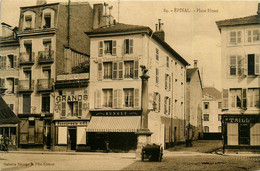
(24, 125)
(159, 103)
(63, 109)
(100, 71)
(115, 98)
(113, 47)
(244, 97)
(136, 96)
(255, 134)
(38, 132)
(81, 135)
(119, 95)
(62, 135)
(31, 135)
(257, 64)
(131, 46)
(245, 65)
(120, 70)
(100, 49)
(80, 109)
(225, 99)
(232, 133)
(136, 66)
(114, 76)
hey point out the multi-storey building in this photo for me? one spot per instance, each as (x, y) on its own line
(9, 55)
(118, 52)
(193, 113)
(240, 39)
(211, 110)
(52, 42)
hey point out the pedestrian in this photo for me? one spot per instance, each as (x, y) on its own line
(6, 143)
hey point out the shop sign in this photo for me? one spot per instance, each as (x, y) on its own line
(245, 119)
(116, 113)
(71, 98)
(71, 123)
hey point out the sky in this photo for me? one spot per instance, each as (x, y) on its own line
(189, 26)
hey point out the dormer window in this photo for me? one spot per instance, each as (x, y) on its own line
(28, 22)
(47, 20)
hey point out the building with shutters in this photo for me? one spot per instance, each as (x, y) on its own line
(49, 37)
(193, 113)
(9, 55)
(211, 110)
(240, 39)
(118, 54)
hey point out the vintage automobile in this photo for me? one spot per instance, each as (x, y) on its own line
(152, 152)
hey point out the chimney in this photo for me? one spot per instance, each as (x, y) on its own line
(258, 11)
(111, 18)
(98, 16)
(159, 31)
(195, 63)
(41, 2)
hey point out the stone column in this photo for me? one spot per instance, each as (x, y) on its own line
(144, 134)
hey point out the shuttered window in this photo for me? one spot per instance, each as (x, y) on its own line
(63, 109)
(225, 99)
(100, 49)
(120, 100)
(257, 64)
(129, 44)
(115, 98)
(80, 109)
(136, 96)
(114, 74)
(113, 47)
(120, 70)
(100, 71)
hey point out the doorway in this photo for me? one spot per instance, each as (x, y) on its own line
(244, 134)
(72, 138)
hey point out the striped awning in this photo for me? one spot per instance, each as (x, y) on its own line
(114, 124)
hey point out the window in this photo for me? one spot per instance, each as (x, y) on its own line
(107, 100)
(157, 54)
(236, 95)
(253, 35)
(46, 103)
(12, 61)
(26, 103)
(156, 102)
(129, 97)
(157, 76)
(28, 48)
(206, 129)
(110, 47)
(129, 70)
(2, 62)
(129, 46)
(2, 82)
(47, 20)
(10, 85)
(253, 64)
(219, 117)
(236, 65)
(206, 117)
(253, 97)
(107, 70)
(219, 105)
(167, 82)
(100, 49)
(235, 37)
(28, 21)
(75, 109)
(166, 105)
(206, 105)
(167, 61)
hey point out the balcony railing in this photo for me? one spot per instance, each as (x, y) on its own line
(45, 56)
(26, 58)
(26, 85)
(44, 84)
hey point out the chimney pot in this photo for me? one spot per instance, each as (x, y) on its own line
(195, 63)
(41, 2)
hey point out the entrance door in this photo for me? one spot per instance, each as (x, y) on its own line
(72, 138)
(244, 134)
(26, 103)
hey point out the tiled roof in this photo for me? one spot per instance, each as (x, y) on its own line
(190, 72)
(211, 91)
(254, 19)
(120, 28)
(7, 116)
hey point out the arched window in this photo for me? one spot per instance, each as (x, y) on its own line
(48, 18)
(28, 20)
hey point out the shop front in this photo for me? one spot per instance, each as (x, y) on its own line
(113, 130)
(241, 131)
(71, 135)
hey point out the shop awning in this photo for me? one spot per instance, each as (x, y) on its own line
(7, 116)
(114, 124)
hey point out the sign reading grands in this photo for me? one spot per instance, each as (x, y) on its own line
(240, 119)
(116, 113)
(71, 98)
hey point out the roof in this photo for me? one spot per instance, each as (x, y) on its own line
(211, 91)
(8, 41)
(190, 72)
(122, 29)
(249, 20)
(7, 116)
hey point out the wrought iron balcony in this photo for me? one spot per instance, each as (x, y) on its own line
(44, 84)
(27, 58)
(45, 57)
(26, 85)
